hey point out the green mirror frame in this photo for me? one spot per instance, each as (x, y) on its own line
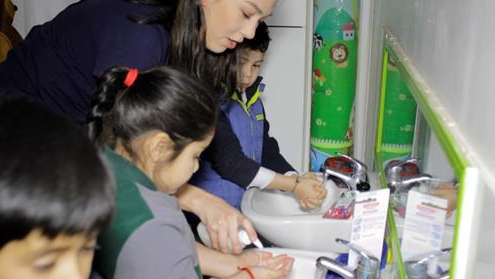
(438, 122)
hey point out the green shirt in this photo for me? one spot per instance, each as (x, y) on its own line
(149, 236)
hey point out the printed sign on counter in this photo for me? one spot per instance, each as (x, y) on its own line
(423, 226)
(368, 224)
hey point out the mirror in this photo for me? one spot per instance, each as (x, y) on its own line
(421, 162)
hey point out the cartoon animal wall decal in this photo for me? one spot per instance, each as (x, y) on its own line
(339, 54)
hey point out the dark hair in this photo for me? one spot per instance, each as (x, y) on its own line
(52, 177)
(260, 41)
(164, 14)
(161, 98)
(187, 46)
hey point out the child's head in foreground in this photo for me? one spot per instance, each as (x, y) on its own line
(160, 119)
(251, 54)
(56, 194)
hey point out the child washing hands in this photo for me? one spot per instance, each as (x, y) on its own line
(242, 154)
(154, 126)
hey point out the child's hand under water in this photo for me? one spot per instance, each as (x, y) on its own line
(279, 268)
(254, 257)
(264, 265)
(449, 192)
(310, 191)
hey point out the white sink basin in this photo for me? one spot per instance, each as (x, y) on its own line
(304, 261)
(277, 216)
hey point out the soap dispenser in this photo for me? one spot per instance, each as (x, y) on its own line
(241, 233)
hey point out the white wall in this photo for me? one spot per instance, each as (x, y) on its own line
(436, 162)
(285, 70)
(34, 12)
(485, 241)
(283, 98)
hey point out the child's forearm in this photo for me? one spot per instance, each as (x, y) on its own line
(285, 183)
(216, 264)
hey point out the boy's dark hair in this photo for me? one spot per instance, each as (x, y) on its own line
(51, 176)
(161, 98)
(260, 41)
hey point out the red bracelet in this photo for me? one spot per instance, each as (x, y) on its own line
(251, 275)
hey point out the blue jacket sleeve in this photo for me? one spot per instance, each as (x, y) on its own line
(226, 156)
(271, 157)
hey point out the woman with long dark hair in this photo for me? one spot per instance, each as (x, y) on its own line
(58, 64)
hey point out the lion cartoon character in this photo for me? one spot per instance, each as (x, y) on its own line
(339, 54)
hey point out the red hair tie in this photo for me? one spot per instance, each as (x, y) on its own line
(131, 77)
(249, 272)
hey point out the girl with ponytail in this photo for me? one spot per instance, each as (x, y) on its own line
(129, 103)
(153, 126)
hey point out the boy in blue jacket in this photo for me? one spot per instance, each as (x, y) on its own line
(241, 136)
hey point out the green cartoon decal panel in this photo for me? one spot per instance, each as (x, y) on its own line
(333, 85)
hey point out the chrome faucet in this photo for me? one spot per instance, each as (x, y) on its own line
(417, 267)
(398, 183)
(408, 183)
(368, 265)
(358, 180)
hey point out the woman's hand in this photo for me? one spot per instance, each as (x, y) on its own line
(221, 220)
(310, 192)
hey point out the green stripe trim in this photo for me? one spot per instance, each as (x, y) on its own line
(255, 98)
(355, 13)
(260, 116)
(235, 97)
(394, 238)
(381, 113)
(458, 221)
